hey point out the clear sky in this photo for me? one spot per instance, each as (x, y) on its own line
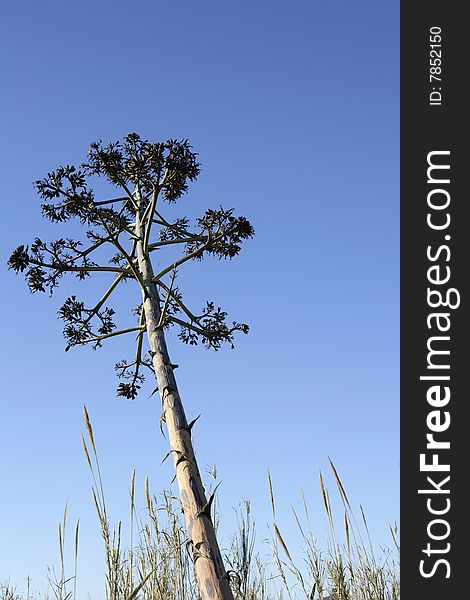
(293, 108)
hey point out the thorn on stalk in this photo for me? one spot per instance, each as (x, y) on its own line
(189, 547)
(193, 551)
(206, 509)
(197, 554)
(169, 454)
(154, 392)
(199, 551)
(190, 425)
(162, 420)
(165, 457)
(168, 389)
(181, 457)
(231, 573)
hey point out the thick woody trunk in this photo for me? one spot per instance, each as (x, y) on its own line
(210, 571)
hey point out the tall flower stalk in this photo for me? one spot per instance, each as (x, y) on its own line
(130, 228)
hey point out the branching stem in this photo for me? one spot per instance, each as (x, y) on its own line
(105, 296)
(80, 269)
(99, 338)
(114, 239)
(194, 238)
(182, 306)
(182, 260)
(151, 209)
(167, 299)
(162, 221)
(194, 328)
(104, 202)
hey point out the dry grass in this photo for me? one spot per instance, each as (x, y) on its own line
(155, 565)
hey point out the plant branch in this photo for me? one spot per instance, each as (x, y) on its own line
(194, 328)
(103, 202)
(182, 306)
(182, 260)
(99, 338)
(128, 192)
(105, 296)
(167, 299)
(88, 250)
(140, 339)
(193, 238)
(151, 209)
(81, 269)
(114, 239)
(154, 194)
(162, 221)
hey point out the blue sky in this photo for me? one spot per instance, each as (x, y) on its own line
(293, 108)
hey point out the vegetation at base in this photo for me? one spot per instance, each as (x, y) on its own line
(156, 563)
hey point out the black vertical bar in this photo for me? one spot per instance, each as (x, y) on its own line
(435, 513)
